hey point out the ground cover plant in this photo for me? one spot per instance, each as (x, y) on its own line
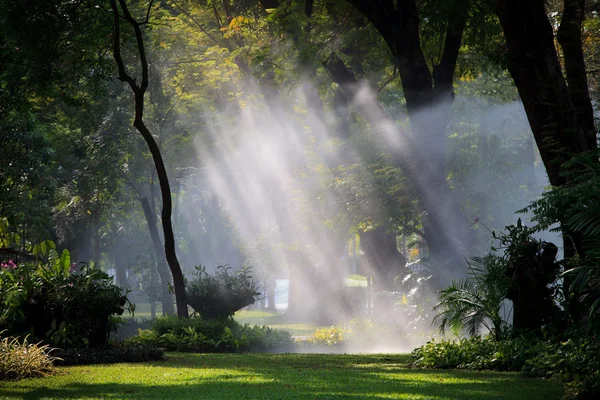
(211, 335)
(282, 376)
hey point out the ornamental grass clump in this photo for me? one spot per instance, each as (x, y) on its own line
(20, 359)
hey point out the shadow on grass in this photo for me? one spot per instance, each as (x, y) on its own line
(261, 376)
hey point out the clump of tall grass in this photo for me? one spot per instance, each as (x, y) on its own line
(20, 359)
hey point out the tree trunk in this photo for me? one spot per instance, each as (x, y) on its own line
(428, 100)
(385, 262)
(559, 115)
(444, 217)
(570, 40)
(161, 265)
(535, 68)
(139, 90)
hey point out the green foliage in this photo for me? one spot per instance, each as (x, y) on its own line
(576, 207)
(117, 352)
(360, 333)
(222, 294)
(476, 302)
(56, 302)
(21, 359)
(479, 353)
(331, 336)
(574, 362)
(211, 336)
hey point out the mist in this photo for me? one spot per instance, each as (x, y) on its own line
(278, 189)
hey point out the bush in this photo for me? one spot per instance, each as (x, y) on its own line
(574, 362)
(58, 303)
(113, 353)
(220, 295)
(478, 353)
(334, 335)
(363, 334)
(211, 336)
(20, 359)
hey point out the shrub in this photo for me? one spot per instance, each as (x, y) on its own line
(574, 362)
(210, 336)
(20, 359)
(478, 353)
(331, 336)
(58, 303)
(220, 295)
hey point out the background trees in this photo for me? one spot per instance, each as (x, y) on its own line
(287, 129)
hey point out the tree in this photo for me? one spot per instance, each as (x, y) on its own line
(425, 89)
(559, 110)
(139, 91)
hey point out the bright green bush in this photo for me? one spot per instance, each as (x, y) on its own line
(210, 336)
(361, 333)
(56, 302)
(334, 335)
(478, 353)
(20, 359)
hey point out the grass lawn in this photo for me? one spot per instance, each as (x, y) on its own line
(275, 320)
(271, 319)
(265, 376)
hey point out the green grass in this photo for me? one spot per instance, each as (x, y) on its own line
(271, 319)
(142, 310)
(264, 376)
(275, 320)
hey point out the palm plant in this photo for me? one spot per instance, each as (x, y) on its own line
(475, 303)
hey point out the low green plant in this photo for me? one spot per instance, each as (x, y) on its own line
(21, 359)
(211, 336)
(574, 362)
(479, 353)
(334, 335)
(220, 295)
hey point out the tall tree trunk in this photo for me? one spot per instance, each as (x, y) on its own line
(559, 114)
(161, 265)
(570, 40)
(428, 98)
(139, 90)
(441, 220)
(535, 68)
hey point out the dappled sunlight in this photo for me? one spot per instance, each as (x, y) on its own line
(283, 376)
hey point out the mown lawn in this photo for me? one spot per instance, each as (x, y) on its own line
(275, 320)
(289, 376)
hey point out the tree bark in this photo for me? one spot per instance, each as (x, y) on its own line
(161, 267)
(139, 91)
(535, 68)
(570, 40)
